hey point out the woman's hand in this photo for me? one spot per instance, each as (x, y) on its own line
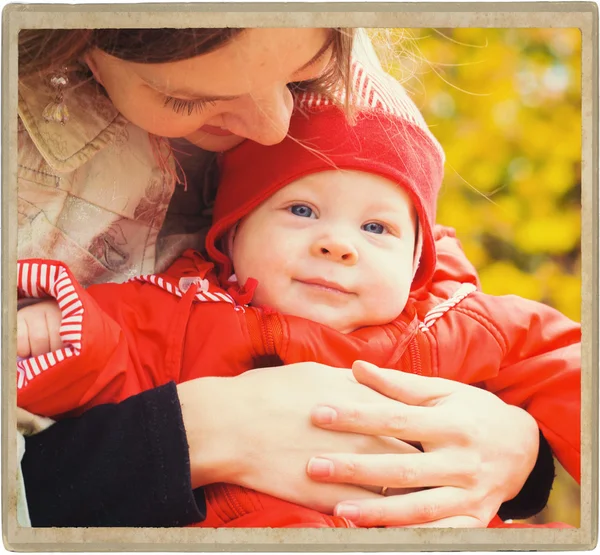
(254, 430)
(478, 451)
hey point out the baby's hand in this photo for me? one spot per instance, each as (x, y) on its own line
(38, 328)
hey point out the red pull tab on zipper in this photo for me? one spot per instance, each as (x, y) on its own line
(242, 295)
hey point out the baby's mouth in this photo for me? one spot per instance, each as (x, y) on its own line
(325, 285)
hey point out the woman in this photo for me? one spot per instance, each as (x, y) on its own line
(97, 190)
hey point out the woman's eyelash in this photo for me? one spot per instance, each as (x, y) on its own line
(181, 106)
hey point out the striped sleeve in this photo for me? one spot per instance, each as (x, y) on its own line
(37, 279)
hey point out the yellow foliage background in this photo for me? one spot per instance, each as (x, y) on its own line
(506, 106)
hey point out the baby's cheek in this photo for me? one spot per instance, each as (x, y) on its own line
(390, 298)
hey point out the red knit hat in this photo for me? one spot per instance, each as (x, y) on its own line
(389, 138)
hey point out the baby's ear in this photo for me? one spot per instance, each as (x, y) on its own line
(418, 246)
(228, 240)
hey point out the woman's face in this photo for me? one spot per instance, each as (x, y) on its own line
(217, 100)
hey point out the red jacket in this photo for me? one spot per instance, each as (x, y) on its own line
(124, 338)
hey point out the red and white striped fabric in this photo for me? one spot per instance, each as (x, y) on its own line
(376, 91)
(50, 279)
(369, 90)
(204, 294)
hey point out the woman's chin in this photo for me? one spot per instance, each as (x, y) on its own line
(214, 143)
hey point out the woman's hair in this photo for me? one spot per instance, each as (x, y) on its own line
(45, 51)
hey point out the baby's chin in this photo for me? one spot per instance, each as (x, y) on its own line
(324, 317)
(342, 323)
(336, 321)
(344, 319)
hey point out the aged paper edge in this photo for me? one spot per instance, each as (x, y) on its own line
(582, 15)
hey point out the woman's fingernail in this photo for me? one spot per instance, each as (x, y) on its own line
(348, 511)
(324, 415)
(321, 468)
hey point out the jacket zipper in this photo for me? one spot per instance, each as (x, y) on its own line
(233, 503)
(415, 357)
(267, 334)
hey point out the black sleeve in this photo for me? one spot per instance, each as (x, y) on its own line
(534, 495)
(124, 464)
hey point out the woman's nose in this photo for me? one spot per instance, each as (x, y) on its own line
(336, 250)
(266, 119)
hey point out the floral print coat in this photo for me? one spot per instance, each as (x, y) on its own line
(92, 192)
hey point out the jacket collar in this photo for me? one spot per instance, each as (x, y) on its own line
(93, 123)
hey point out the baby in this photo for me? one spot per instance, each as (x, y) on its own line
(323, 248)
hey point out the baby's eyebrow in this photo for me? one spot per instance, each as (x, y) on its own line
(382, 207)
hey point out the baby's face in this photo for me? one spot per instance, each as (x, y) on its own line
(335, 247)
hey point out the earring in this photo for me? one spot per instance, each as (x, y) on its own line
(57, 111)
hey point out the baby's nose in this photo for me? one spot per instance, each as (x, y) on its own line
(337, 251)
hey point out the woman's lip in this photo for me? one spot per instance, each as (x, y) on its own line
(212, 130)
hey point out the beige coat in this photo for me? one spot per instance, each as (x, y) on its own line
(92, 192)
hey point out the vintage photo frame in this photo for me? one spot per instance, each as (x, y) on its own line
(582, 15)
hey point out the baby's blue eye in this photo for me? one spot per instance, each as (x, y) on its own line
(301, 210)
(373, 227)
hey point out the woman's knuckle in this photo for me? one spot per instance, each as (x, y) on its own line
(352, 415)
(470, 478)
(397, 422)
(406, 476)
(472, 471)
(349, 469)
(375, 516)
(477, 470)
(429, 512)
(381, 514)
(467, 433)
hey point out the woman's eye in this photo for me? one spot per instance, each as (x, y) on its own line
(181, 106)
(374, 227)
(301, 210)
